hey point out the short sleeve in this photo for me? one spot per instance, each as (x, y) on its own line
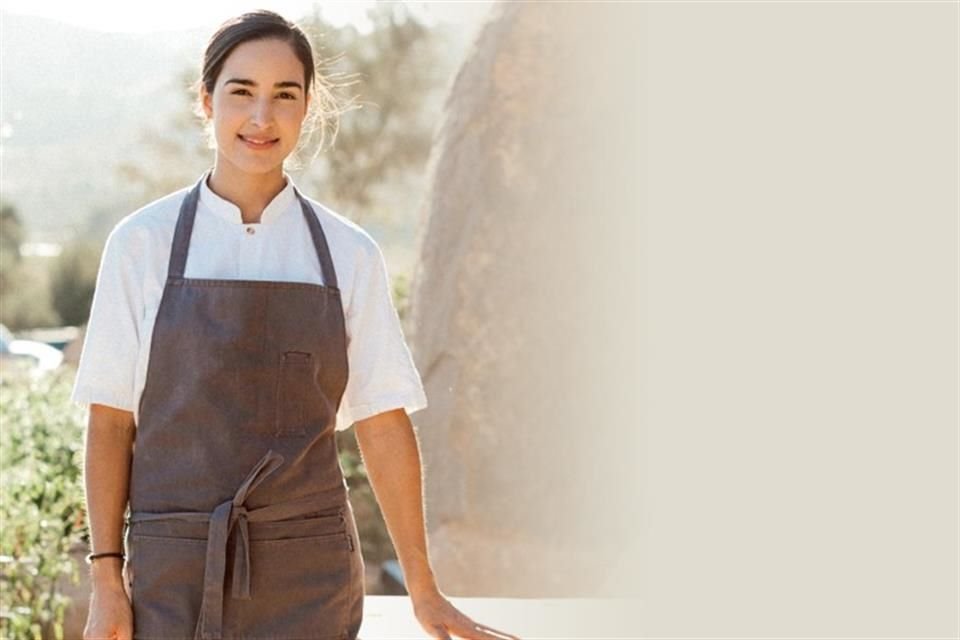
(105, 373)
(382, 374)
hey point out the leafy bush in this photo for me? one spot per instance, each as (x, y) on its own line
(41, 499)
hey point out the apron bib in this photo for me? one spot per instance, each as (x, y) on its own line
(240, 523)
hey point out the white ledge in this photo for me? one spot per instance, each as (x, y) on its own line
(391, 617)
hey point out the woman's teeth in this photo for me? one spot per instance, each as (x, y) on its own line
(258, 144)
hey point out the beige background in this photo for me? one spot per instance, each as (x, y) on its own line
(794, 254)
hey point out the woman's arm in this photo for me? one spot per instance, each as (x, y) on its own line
(106, 472)
(391, 454)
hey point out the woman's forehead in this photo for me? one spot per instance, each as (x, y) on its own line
(267, 60)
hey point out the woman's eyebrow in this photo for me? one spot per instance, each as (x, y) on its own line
(250, 83)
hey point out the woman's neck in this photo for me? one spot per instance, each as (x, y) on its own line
(251, 192)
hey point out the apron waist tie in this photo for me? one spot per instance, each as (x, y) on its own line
(229, 517)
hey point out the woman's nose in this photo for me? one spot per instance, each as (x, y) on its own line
(262, 112)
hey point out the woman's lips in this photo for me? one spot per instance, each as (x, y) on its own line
(258, 145)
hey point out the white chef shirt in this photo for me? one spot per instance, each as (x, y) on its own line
(133, 270)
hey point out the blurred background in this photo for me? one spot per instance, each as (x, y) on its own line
(449, 156)
(681, 279)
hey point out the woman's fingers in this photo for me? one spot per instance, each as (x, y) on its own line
(493, 633)
(444, 621)
(471, 630)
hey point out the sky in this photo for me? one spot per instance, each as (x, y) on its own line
(131, 17)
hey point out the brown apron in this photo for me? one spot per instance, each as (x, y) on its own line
(240, 523)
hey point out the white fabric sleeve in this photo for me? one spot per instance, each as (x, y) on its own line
(105, 373)
(382, 374)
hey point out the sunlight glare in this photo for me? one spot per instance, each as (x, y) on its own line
(114, 16)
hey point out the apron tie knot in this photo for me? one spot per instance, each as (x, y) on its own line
(241, 554)
(225, 516)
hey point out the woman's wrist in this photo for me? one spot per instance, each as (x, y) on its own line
(422, 584)
(106, 573)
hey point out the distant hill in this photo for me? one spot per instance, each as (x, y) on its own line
(74, 102)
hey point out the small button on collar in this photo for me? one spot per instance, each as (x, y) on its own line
(251, 230)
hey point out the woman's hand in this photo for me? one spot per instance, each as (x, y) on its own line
(110, 616)
(444, 621)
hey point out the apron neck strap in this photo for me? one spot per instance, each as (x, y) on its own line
(184, 229)
(319, 241)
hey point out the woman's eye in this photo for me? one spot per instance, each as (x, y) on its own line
(286, 95)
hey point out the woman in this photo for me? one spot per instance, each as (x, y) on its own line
(236, 325)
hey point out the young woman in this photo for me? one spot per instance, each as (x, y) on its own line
(236, 326)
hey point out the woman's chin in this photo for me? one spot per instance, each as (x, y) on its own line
(255, 165)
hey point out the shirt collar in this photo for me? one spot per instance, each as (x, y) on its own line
(230, 212)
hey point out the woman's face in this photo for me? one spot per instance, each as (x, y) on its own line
(258, 105)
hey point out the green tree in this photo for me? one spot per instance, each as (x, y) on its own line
(73, 280)
(23, 285)
(401, 71)
(11, 237)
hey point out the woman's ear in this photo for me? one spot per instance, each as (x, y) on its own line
(207, 102)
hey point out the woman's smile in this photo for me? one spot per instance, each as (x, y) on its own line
(258, 143)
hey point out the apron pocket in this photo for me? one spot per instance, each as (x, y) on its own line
(295, 387)
(166, 585)
(299, 588)
(331, 525)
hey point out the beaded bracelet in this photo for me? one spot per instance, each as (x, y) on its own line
(109, 554)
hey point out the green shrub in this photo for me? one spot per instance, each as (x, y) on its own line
(41, 499)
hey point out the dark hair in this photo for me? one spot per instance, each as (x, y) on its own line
(255, 25)
(267, 25)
